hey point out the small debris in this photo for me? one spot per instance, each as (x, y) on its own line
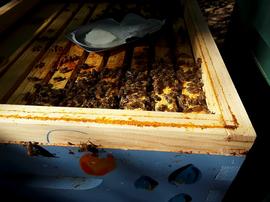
(71, 152)
(84, 66)
(33, 79)
(65, 70)
(59, 78)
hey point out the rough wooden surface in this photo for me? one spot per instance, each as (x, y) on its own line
(25, 34)
(50, 58)
(229, 103)
(28, 58)
(13, 11)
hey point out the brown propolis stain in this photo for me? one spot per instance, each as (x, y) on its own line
(130, 122)
(233, 117)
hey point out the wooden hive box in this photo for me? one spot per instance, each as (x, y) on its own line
(226, 130)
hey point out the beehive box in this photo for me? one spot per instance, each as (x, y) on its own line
(37, 51)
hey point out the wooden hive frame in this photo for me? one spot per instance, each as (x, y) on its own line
(227, 130)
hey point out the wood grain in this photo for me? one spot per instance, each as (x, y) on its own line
(13, 11)
(50, 58)
(12, 47)
(18, 70)
(229, 102)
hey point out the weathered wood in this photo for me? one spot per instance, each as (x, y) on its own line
(116, 60)
(121, 129)
(12, 47)
(20, 68)
(50, 58)
(13, 11)
(219, 81)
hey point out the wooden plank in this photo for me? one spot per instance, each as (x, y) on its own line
(121, 129)
(20, 68)
(116, 60)
(47, 61)
(17, 42)
(13, 11)
(52, 56)
(229, 102)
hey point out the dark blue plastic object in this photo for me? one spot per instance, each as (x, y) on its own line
(130, 29)
(188, 174)
(181, 198)
(145, 182)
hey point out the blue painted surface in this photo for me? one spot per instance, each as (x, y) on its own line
(44, 175)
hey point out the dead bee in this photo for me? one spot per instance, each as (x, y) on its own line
(84, 66)
(33, 79)
(59, 78)
(65, 69)
(33, 149)
(56, 48)
(40, 65)
(67, 59)
(88, 146)
(30, 150)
